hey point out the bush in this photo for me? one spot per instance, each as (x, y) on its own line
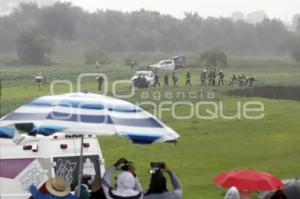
(130, 62)
(213, 58)
(296, 54)
(91, 57)
(295, 49)
(33, 46)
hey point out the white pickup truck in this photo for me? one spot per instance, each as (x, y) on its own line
(168, 64)
(148, 75)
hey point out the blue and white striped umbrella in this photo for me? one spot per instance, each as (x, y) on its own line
(88, 114)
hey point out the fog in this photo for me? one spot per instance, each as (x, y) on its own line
(65, 25)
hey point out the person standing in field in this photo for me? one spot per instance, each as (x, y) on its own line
(174, 78)
(98, 66)
(233, 80)
(39, 80)
(242, 79)
(166, 80)
(221, 78)
(188, 79)
(250, 80)
(156, 80)
(100, 81)
(212, 78)
(203, 77)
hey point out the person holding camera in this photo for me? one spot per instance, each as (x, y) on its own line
(158, 184)
(128, 185)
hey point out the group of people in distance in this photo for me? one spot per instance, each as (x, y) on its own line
(174, 79)
(242, 80)
(211, 76)
(127, 185)
(208, 78)
(205, 78)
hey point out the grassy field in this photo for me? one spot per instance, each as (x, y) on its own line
(206, 147)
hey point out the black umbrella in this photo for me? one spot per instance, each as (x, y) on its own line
(291, 190)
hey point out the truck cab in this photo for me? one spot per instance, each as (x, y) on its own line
(147, 75)
(179, 61)
(164, 64)
(173, 63)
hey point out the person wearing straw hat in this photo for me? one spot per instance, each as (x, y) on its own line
(57, 189)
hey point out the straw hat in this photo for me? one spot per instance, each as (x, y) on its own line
(58, 187)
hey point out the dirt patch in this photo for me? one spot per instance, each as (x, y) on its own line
(273, 92)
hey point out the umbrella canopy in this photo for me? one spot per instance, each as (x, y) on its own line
(249, 180)
(88, 114)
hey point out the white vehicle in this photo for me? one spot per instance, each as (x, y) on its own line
(38, 159)
(147, 74)
(164, 64)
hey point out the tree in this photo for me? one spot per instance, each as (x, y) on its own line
(145, 31)
(295, 48)
(93, 56)
(296, 53)
(296, 22)
(213, 58)
(33, 46)
(60, 20)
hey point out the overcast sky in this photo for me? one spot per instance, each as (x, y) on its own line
(283, 9)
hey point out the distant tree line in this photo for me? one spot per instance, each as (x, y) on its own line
(141, 31)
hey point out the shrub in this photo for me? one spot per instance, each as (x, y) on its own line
(91, 57)
(33, 46)
(213, 57)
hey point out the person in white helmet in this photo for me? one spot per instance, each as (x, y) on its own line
(128, 185)
(232, 193)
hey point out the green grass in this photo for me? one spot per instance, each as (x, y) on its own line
(206, 147)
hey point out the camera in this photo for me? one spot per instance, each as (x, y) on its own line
(157, 165)
(125, 166)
